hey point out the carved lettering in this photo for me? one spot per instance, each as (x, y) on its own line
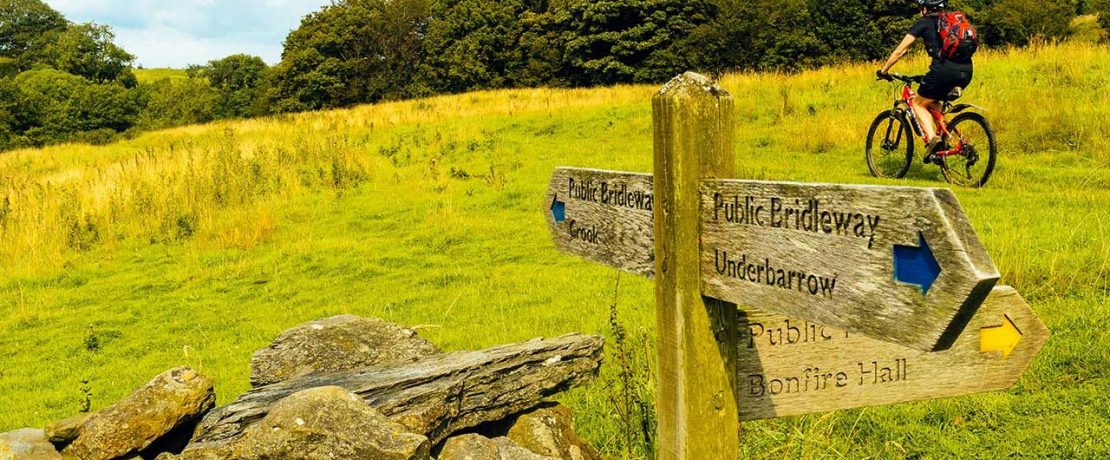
(813, 379)
(765, 272)
(790, 332)
(798, 215)
(583, 233)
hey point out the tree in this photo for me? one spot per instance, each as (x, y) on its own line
(1102, 9)
(1020, 22)
(893, 19)
(351, 52)
(87, 50)
(618, 41)
(542, 49)
(7, 119)
(474, 44)
(757, 35)
(24, 22)
(238, 79)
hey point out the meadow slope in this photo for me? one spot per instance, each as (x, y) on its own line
(196, 246)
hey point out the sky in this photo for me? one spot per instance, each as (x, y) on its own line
(176, 33)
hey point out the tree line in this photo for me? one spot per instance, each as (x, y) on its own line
(61, 81)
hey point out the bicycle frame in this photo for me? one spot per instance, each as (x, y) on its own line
(906, 104)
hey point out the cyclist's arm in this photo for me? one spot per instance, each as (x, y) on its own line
(902, 49)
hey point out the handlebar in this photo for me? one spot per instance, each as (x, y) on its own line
(903, 78)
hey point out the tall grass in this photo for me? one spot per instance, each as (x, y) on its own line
(163, 194)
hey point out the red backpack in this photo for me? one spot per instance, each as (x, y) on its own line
(958, 38)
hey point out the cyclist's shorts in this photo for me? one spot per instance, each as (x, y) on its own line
(942, 78)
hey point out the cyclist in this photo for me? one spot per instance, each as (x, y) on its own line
(944, 76)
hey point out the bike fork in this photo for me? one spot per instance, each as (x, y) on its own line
(913, 121)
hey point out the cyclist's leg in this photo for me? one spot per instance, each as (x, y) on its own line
(921, 106)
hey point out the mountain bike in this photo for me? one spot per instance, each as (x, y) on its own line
(966, 155)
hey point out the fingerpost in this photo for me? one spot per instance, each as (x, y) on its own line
(854, 295)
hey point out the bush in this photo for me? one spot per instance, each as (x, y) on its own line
(50, 106)
(170, 103)
(240, 81)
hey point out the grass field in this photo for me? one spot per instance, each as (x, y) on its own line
(153, 75)
(198, 245)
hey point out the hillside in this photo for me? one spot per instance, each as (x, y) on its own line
(198, 245)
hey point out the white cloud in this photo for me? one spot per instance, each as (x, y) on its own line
(174, 34)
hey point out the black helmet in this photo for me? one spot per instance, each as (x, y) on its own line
(933, 4)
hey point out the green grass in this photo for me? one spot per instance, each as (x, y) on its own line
(408, 237)
(153, 75)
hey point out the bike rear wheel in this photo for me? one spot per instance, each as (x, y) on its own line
(890, 145)
(974, 166)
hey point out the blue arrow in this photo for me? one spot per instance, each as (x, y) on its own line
(558, 210)
(916, 266)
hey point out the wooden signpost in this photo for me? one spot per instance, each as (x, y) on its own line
(852, 295)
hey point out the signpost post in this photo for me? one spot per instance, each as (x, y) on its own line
(866, 295)
(696, 336)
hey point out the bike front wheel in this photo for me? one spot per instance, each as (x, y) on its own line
(974, 166)
(890, 145)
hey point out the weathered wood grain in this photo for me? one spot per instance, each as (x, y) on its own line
(696, 404)
(788, 366)
(607, 217)
(437, 395)
(826, 253)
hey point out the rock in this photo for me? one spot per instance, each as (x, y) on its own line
(199, 454)
(469, 447)
(438, 395)
(171, 402)
(64, 431)
(549, 431)
(478, 447)
(322, 423)
(27, 444)
(510, 450)
(339, 343)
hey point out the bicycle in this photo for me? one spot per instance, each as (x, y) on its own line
(970, 132)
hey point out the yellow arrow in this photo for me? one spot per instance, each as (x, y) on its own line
(1003, 339)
